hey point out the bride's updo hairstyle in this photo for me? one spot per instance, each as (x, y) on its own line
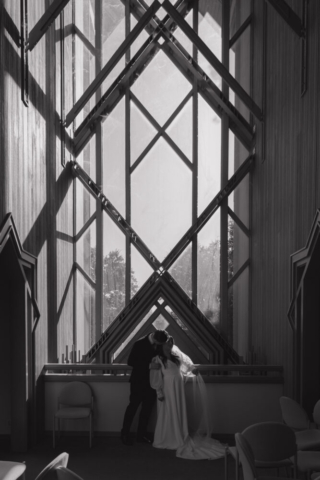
(173, 357)
(161, 336)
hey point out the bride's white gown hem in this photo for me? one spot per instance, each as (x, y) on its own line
(171, 430)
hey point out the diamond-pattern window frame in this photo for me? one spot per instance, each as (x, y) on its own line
(161, 130)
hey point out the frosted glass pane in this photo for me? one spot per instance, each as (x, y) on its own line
(210, 34)
(113, 27)
(242, 61)
(85, 206)
(133, 333)
(209, 155)
(240, 53)
(114, 157)
(142, 132)
(99, 33)
(86, 251)
(182, 38)
(187, 331)
(161, 13)
(239, 12)
(160, 323)
(161, 199)
(140, 270)
(181, 270)
(231, 154)
(161, 87)
(238, 316)
(232, 67)
(113, 75)
(85, 315)
(84, 67)
(139, 41)
(239, 201)
(84, 41)
(114, 271)
(237, 155)
(180, 130)
(209, 269)
(240, 153)
(87, 158)
(238, 247)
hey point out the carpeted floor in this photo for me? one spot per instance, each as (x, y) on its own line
(109, 459)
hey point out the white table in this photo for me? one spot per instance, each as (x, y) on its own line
(11, 470)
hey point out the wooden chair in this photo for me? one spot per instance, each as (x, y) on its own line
(75, 402)
(296, 417)
(12, 470)
(273, 446)
(247, 460)
(48, 472)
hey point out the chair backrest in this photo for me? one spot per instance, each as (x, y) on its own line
(76, 394)
(316, 413)
(246, 458)
(271, 441)
(293, 414)
(60, 461)
(63, 473)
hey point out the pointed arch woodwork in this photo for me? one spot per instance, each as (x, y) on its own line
(304, 315)
(19, 317)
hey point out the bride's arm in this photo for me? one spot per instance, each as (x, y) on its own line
(187, 367)
(156, 379)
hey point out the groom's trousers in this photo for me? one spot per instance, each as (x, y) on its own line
(146, 396)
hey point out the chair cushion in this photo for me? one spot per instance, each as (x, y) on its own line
(73, 412)
(11, 470)
(308, 461)
(308, 439)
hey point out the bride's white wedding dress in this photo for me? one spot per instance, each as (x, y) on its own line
(172, 429)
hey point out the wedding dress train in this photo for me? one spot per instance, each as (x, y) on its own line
(173, 431)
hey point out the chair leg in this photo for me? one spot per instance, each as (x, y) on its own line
(53, 431)
(90, 433)
(226, 463)
(237, 465)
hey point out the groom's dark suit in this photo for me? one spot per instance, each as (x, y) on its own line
(140, 390)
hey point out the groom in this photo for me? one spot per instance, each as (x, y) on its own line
(140, 390)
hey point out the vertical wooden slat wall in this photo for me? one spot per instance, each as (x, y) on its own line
(35, 187)
(285, 179)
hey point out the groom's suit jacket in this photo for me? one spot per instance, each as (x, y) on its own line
(139, 359)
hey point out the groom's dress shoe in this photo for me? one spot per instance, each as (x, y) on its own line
(143, 439)
(126, 440)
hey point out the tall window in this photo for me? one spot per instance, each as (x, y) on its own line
(150, 132)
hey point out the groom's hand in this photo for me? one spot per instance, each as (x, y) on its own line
(155, 366)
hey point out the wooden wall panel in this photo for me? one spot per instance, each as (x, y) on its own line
(36, 188)
(285, 179)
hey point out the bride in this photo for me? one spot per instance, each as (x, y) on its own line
(172, 428)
